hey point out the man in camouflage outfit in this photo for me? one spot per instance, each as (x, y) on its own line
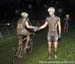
(53, 23)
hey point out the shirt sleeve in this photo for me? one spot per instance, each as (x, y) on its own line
(59, 19)
(47, 19)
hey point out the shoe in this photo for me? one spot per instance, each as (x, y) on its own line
(49, 58)
(56, 57)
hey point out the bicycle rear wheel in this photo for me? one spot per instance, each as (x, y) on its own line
(15, 59)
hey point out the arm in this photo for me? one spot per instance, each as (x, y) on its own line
(29, 26)
(59, 26)
(43, 26)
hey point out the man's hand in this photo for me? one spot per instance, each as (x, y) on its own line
(35, 29)
(59, 37)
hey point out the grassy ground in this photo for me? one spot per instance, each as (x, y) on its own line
(66, 49)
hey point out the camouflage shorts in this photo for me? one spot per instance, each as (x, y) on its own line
(52, 36)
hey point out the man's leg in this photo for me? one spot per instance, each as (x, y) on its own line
(20, 40)
(49, 49)
(55, 44)
(55, 48)
(67, 29)
(27, 41)
(26, 44)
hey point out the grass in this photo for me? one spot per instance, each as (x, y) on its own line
(66, 49)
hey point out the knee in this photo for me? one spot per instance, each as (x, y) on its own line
(55, 44)
(49, 44)
(20, 41)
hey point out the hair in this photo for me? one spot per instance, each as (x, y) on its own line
(51, 9)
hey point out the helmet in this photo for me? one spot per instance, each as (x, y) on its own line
(24, 14)
(51, 9)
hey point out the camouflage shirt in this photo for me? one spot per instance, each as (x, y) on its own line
(52, 23)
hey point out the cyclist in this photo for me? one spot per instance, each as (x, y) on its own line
(22, 24)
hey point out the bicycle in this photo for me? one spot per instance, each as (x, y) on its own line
(20, 51)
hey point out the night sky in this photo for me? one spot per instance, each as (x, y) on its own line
(37, 9)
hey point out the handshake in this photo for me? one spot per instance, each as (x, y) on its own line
(36, 29)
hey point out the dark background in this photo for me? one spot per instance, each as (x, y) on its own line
(37, 9)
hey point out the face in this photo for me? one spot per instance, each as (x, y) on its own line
(24, 17)
(67, 16)
(51, 13)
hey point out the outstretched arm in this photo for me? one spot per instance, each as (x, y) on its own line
(43, 26)
(29, 26)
